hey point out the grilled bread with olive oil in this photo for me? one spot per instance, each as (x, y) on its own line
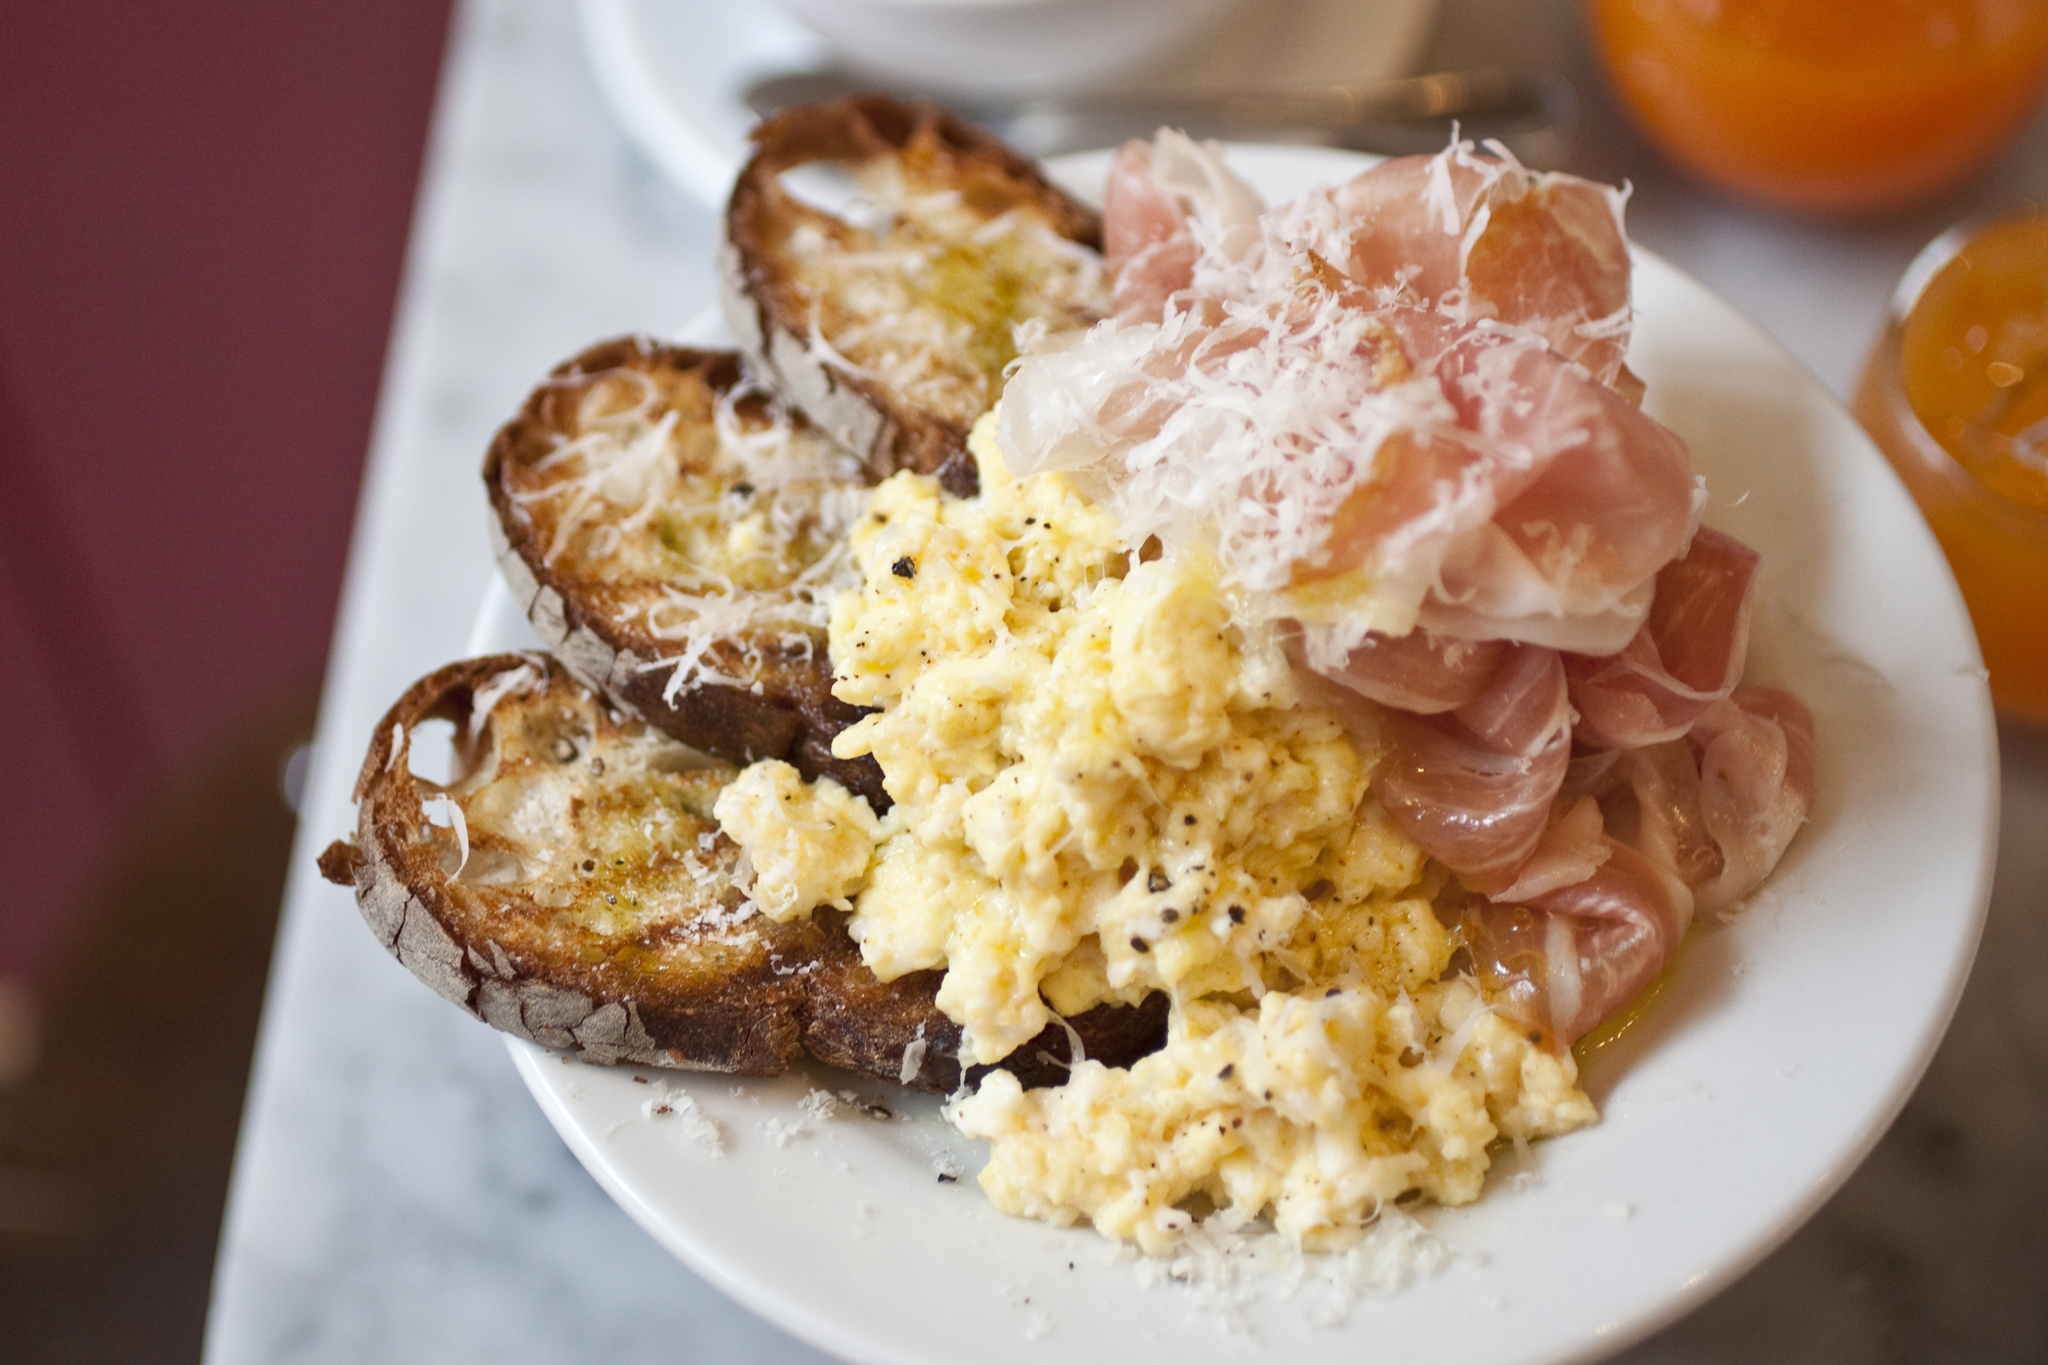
(567, 883)
(887, 304)
(676, 537)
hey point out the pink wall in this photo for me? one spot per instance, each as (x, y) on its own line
(203, 209)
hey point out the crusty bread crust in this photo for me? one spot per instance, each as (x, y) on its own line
(636, 951)
(766, 686)
(778, 300)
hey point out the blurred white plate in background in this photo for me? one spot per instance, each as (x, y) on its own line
(675, 72)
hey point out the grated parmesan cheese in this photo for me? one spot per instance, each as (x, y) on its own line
(912, 287)
(715, 522)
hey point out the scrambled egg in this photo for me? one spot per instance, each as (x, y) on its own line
(1106, 786)
(805, 846)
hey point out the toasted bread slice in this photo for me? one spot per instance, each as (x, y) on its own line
(889, 322)
(676, 539)
(569, 885)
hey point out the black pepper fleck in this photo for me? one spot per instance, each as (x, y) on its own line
(905, 567)
(1140, 945)
(1157, 882)
(1237, 914)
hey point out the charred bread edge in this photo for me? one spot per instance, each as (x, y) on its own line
(866, 416)
(832, 1007)
(742, 1038)
(733, 723)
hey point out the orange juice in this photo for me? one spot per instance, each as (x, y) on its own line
(1956, 394)
(1837, 106)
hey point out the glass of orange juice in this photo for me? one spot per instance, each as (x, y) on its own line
(1831, 106)
(1956, 395)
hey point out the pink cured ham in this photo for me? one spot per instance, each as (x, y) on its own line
(1720, 806)
(1688, 655)
(1477, 237)
(1488, 787)
(1474, 786)
(1691, 825)
(1485, 487)
(1756, 785)
(1650, 800)
(1146, 242)
(1573, 846)
(1543, 514)
(1137, 212)
(1419, 672)
(1571, 958)
(1453, 447)
(1483, 238)
(1160, 195)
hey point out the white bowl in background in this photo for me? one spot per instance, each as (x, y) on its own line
(676, 73)
(1006, 46)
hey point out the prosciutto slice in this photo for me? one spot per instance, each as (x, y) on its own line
(1544, 514)
(1419, 672)
(1481, 237)
(1346, 404)
(1690, 825)
(1567, 960)
(1573, 846)
(1474, 786)
(1688, 655)
(1489, 786)
(1756, 785)
(1159, 196)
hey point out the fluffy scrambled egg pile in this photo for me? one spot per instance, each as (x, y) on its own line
(1105, 787)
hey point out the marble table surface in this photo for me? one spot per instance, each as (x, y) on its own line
(397, 1195)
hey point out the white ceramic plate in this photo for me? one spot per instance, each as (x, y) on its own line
(1786, 1044)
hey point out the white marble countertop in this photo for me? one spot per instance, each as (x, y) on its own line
(397, 1195)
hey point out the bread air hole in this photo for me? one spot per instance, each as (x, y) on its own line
(832, 188)
(430, 751)
(559, 736)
